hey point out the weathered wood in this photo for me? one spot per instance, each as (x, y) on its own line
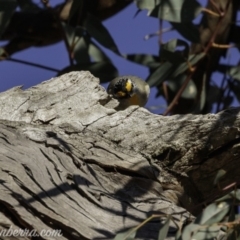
(69, 161)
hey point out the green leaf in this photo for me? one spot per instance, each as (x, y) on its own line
(97, 30)
(177, 11)
(147, 4)
(213, 213)
(189, 230)
(81, 50)
(207, 232)
(220, 174)
(190, 92)
(77, 43)
(7, 8)
(160, 74)
(77, 6)
(97, 54)
(144, 59)
(234, 72)
(188, 30)
(126, 235)
(174, 43)
(103, 70)
(192, 60)
(163, 231)
(230, 196)
(200, 232)
(202, 99)
(169, 51)
(178, 235)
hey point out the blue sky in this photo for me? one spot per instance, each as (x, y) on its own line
(128, 32)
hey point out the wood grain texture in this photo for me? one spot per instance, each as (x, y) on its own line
(70, 161)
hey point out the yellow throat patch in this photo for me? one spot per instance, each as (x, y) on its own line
(128, 85)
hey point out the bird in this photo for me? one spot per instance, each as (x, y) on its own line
(129, 90)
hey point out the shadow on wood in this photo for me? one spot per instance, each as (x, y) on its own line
(70, 162)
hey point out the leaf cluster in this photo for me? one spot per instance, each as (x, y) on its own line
(218, 219)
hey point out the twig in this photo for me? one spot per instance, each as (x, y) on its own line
(209, 45)
(215, 5)
(158, 33)
(210, 12)
(224, 46)
(179, 93)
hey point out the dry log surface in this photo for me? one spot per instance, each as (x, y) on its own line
(70, 161)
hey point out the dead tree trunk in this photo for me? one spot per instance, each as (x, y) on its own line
(69, 161)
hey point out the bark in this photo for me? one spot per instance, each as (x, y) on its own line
(70, 161)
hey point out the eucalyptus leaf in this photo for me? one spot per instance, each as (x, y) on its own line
(163, 231)
(213, 213)
(207, 232)
(234, 72)
(169, 51)
(7, 8)
(178, 235)
(174, 43)
(97, 30)
(189, 230)
(126, 235)
(220, 174)
(230, 196)
(97, 53)
(81, 50)
(190, 92)
(195, 58)
(78, 44)
(77, 6)
(160, 74)
(147, 4)
(202, 100)
(182, 67)
(144, 59)
(203, 93)
(177, 11)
